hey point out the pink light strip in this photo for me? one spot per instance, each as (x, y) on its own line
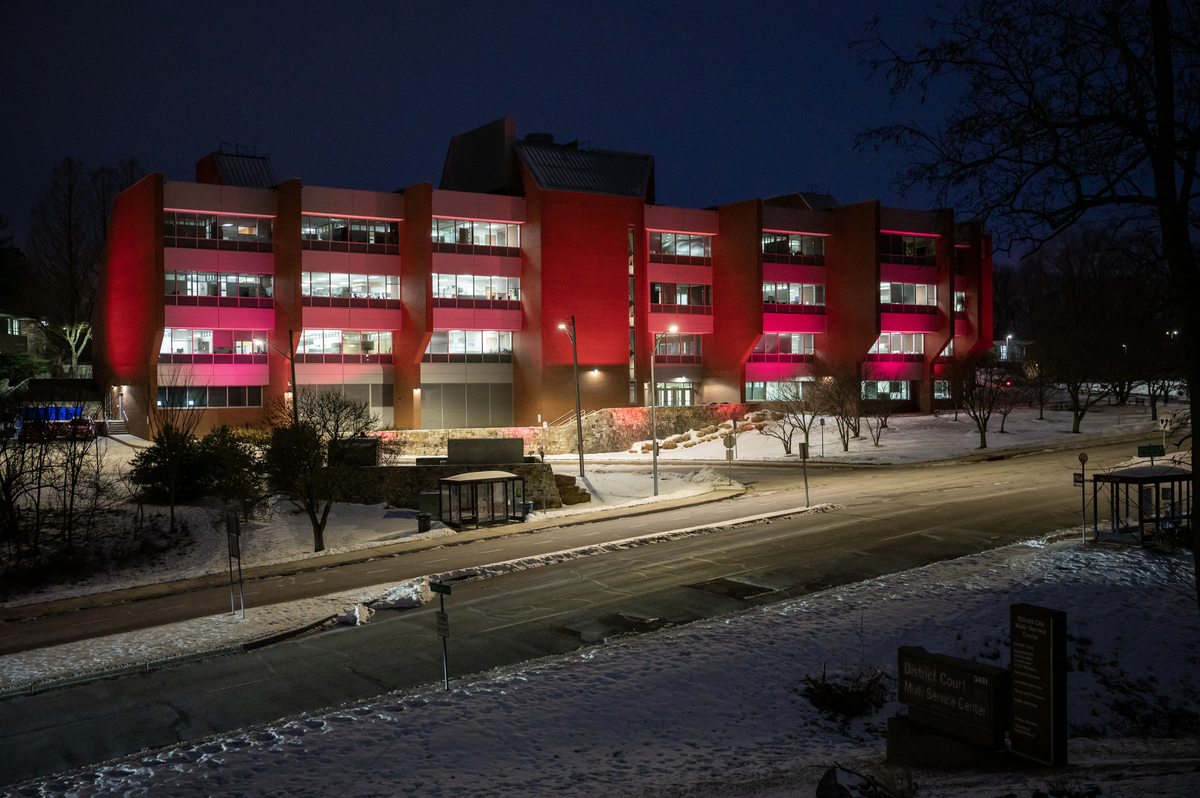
(910, 233)
(798, 232)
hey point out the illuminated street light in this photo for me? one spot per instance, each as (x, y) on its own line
(570, 331)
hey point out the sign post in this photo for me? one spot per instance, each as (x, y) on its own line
(1083, 496)
(729, 444)
(804, 464)
(822, 437)
(233, 530)
(1039, 683)
(1164, 424)
(1152, 451)
(443, 626)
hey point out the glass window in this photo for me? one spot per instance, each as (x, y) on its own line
(333, 342)
(310, 342)
(491, 342)
(170, 288)
(339, 286)
(438, 343)
(358, 230)
(165, 347)
(960, 300)
(474, 341)
(359, 286)
(320, 284)
(377, 286)
(351, 342)
(458, 342)
(181, 342)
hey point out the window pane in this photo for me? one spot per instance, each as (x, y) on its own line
(351, 342)
(165, 347)
(311, 342)
(320, 283)
(506, 342)
(458, 342)
(340, 229)
(237, 396)
(491, 342)
(378, 286)
(438, 343)
(474, 342)
(339, 285)
(359, 286)
(385, 342)
(333, 342)
(254, 396)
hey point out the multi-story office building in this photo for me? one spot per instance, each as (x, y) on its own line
(441, 307)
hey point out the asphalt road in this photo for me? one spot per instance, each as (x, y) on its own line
(892, 519)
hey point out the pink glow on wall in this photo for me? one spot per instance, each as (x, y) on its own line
(910, 233)
(793, 273)
(794, 322)
(908, 322)
(777, 372)
(797, 232)
(684, 323)
(210, 212)
(897, 371)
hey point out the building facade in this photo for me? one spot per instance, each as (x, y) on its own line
(442, 307)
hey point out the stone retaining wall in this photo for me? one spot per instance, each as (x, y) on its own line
(611, 430)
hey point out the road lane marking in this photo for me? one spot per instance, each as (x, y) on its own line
(241, 684)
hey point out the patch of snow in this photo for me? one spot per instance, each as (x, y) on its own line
(713, 708)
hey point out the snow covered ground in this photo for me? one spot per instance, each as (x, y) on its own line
(919, 438)
(714, 708)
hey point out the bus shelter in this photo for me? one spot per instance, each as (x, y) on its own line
(482, 497)
(1144, 498)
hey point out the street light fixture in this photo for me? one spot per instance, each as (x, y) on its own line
(654, 403)
(570, 331)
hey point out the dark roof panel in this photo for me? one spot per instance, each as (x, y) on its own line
(819, 202)
(247, 171)
(620, 174)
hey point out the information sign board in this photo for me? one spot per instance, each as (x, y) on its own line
(1153, 450)
(1039, 683)
(959, 696)
(443, 624)
(438, 587)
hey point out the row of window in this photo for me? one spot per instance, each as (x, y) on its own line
(477, 238)
(871, 389)
(885, 389)
(476, 286)
(793, 294)
(345, 342)
(217, 231)
(909, 249)
(218, 284)
(469, 342)
(673, 344)
(680, 294)
(179, 341)
(899, 343)
(345, 234)
(349, 286)
(210, 396)
(679, 244)
(773, 391)
(793, 248)
(907, 294)
(785, 344)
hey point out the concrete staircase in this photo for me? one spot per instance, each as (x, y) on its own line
(116, 427)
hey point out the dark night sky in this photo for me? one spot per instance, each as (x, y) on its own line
(734, 99)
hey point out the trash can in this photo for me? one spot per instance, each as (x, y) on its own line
(526, 509)
(424, 522)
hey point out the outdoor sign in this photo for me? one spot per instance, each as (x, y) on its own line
(961, 697)
(1078, 477)
(438, 587)
(1039, 683)
(233, 530)
(729, 441)
(1153, 450)
(443, 624)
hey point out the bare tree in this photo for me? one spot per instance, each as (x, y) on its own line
(790, 412)
(1065, 111)
(981, 384)
(298, 459)
(840, 395)
(68, 229)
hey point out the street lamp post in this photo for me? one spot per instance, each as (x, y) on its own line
(653, 404)
(570, 331)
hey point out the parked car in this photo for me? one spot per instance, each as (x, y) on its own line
(37, 431)
(80, 428)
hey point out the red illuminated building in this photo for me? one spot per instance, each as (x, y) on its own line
(441, 307)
